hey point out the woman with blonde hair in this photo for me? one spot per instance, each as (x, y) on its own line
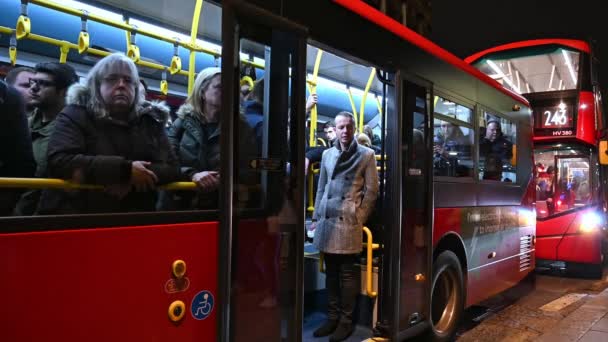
(195, 138)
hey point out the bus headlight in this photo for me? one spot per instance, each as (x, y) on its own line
(590, 222)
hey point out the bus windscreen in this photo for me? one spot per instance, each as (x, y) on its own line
(533, 70)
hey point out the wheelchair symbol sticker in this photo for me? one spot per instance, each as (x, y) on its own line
(202, 305)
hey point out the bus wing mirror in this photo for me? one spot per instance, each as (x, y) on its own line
(603, 152)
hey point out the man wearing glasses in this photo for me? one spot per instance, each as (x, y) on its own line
(48, 89)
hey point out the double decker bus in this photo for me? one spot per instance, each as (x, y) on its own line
(450, 229)
(560, 79)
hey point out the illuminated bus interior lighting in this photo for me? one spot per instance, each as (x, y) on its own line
(497, 70)
(569, 64)
(551, 78)
(518, 81)
(92, 9)
(528, 87)
(342, 87)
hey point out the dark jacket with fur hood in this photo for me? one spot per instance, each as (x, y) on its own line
(196, 144)
(91, 148)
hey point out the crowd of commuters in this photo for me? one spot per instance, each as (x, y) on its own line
(104, 132)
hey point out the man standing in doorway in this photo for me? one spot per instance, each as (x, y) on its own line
(346, 195)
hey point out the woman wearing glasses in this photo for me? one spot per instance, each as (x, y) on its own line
(110, 136)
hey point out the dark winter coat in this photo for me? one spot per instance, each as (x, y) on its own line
(196, 144)
(16, 158)
(92, 149)
(493, 155)
(346, 196)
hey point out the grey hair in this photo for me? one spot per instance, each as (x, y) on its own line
(348, 115)
(106, 66)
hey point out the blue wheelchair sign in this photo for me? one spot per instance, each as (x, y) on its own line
(202, 305)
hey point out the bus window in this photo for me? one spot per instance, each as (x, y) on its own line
(452, 146)
(453, 110)
(573, 188)
(497, 149)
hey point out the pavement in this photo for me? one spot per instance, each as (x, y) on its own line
(559, 309)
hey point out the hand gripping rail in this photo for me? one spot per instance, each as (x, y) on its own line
(369, 246)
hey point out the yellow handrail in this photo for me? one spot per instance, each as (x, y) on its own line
(372, 74)
(312, 84)
(121, 25)
(379, 107)
(370, 245)
(6, 30)
(193, 32)
(352, 104)
(69, 45)
(311, 200)
(54, 183)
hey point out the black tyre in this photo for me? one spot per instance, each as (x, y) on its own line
(447, 297)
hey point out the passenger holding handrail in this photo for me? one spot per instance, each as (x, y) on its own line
(195, 138)
(109, 135)
(346, 196)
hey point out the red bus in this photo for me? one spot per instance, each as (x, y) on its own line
(450, 229)
(560, 79)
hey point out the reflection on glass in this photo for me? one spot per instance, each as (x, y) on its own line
(452, 146)
(497, 149)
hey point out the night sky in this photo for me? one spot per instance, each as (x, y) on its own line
(464, 27)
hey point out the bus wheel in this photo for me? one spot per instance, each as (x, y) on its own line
(447, 297)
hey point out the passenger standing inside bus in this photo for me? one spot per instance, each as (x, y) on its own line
(346, 196)
(496, 150)
(108, 135)
(19, 78)
(195, 138)
(48, 89)
(451, 147)
(16, 158)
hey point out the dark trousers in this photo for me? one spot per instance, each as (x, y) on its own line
(343, 282)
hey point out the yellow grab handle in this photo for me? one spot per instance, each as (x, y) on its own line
(164, 87)
(83, 42)
(24, 27)
(247, 80)
(64, 49)
(12, 53)
(176, 65)
(368, 267)
(133, 53)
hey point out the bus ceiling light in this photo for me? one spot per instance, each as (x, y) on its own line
(561, 106)
(590, 222)
(497, 70)
(569, 64)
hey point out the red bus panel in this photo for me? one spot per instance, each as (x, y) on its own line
(110, 284)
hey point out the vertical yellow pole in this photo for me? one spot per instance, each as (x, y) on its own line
(193, 33)
(352, 104)
(372, 74)
(313, 112)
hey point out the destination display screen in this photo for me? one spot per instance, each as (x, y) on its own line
(559, 116)
(554, 120)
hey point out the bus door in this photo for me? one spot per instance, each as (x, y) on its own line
(413, 224)
(262, 224)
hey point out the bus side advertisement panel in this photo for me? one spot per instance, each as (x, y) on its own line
(110, 284)
(498, 243)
